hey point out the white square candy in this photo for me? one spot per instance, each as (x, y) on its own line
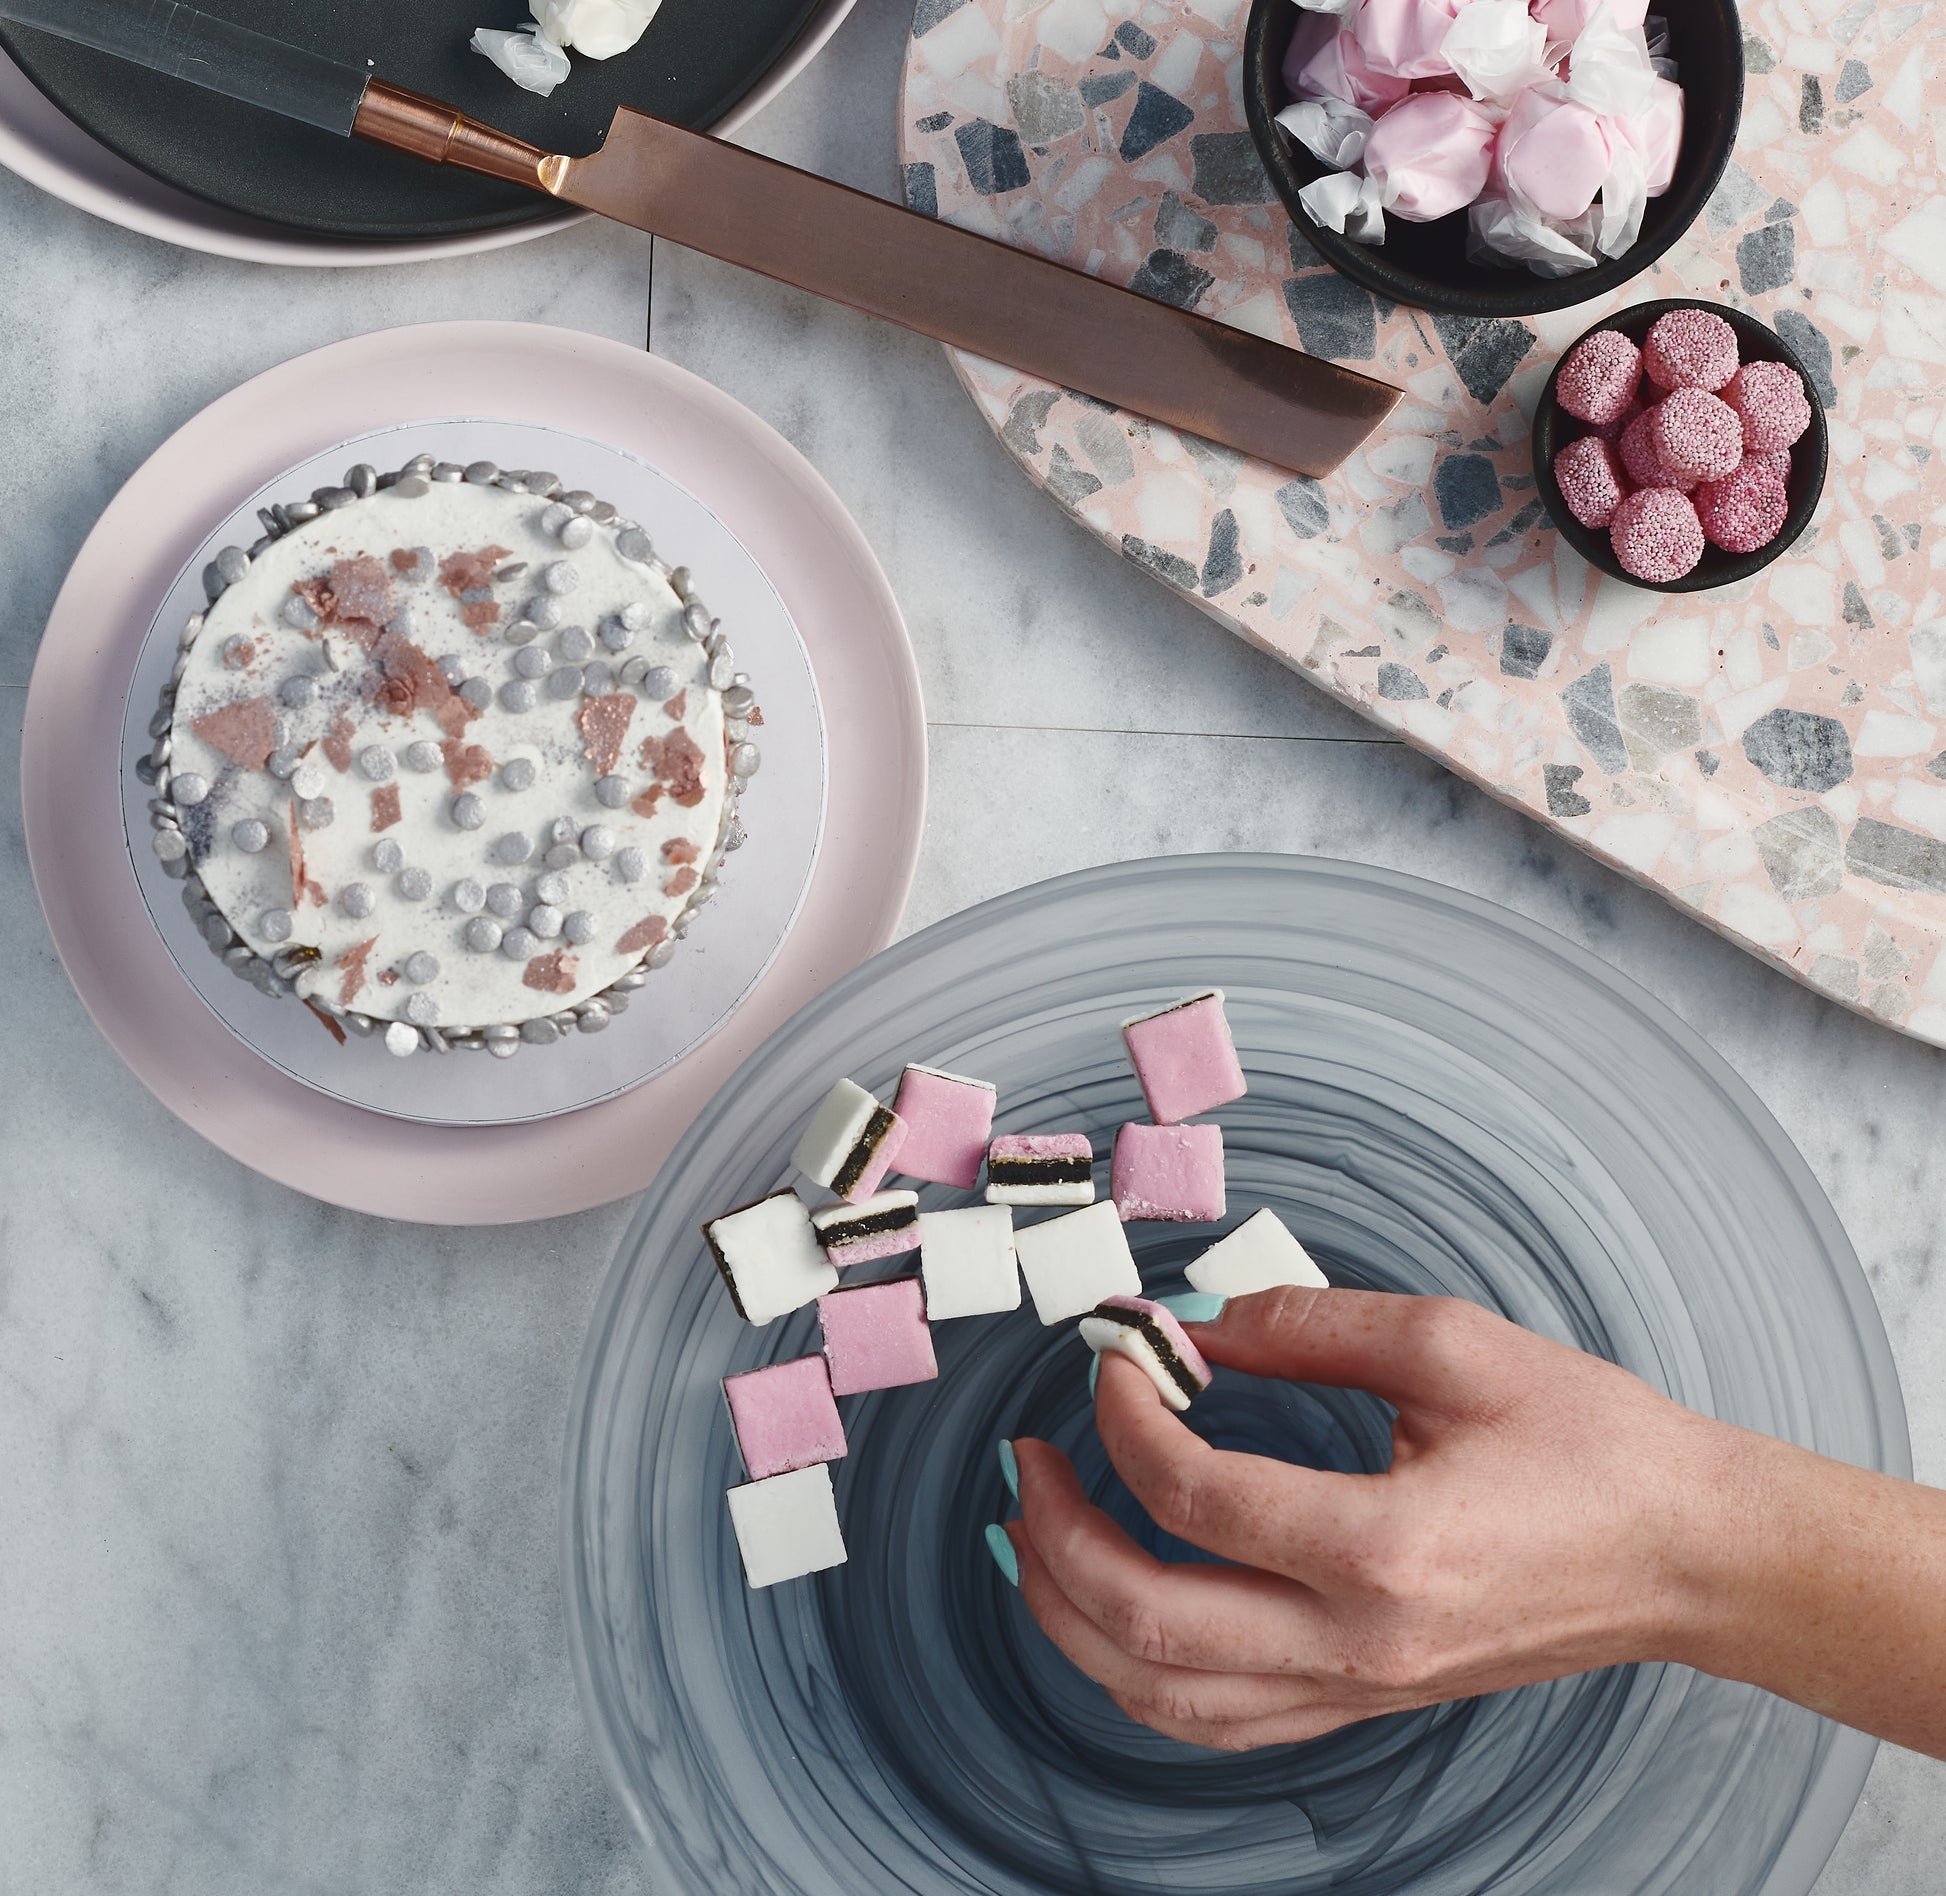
(1072, 1263)
(770, 1257)
(1258, 1255)
(967, 1259)
(787, 1526)
(850, 1142)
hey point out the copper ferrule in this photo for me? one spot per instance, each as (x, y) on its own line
(407, 121)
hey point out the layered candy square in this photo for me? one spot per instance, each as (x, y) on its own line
(1169, 1172)
(1041, 1168)
(769, 1257)
(850, 1142)
(948, 1120)
(1071, 1263)
(876, 1336)
(1259, 1254)
(1184, 1058)
(1151, 1338)
(883, 1225)
(967, 1261)
(784, 1416)
(787, 1526)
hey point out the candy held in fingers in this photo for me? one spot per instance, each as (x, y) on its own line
(1642, 464)
(1184, 1058)
(769, 1257)
(1151, 1338)
(1770, 402)
(1260, 1254)
(1744, 510)
(876, 1337)
(850, 1142)
(1071, 1263)
(967, 1261)
(1168, 1172)
(1690, 348)
(948, 1121)
(1041, 1168)
(1600, 376)
(1589, 475)
(1696, 433)
(1429, 155)
(784, 1417)
(883, 1225)
(1656, 535)
(787, 1526)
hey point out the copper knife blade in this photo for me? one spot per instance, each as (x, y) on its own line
(1008, 305)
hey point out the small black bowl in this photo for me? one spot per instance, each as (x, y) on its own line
(1425, 265)
(1554, 428)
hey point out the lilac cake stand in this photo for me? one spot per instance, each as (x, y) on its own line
(1772, 756)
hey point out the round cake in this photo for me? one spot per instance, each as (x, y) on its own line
(452, 755)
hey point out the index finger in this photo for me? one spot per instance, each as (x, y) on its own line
(1308, 1524)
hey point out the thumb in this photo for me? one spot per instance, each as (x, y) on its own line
(1429, 1354)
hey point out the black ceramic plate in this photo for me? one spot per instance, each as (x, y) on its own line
(695, 62)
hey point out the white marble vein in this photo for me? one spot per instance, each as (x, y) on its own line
(279, 1487)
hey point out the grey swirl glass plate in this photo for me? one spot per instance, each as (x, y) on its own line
(1444, 1097)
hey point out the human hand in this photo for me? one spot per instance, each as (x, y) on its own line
(1545, 1513)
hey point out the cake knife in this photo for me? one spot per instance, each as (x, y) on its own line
(968, 291)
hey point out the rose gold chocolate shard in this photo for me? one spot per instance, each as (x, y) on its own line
(386, 809)
(469, 578)
(466, 763)
(645, 934)
(677, 762)
(604, 725)
(644, 805)
(354, 597)
(337, 741)
(388, 977)
(405, 681)
(244, 731)
(552, 974)
(352, 965)
(679, 849)
(677, 707)
(329, 1025)
(756, 716)
(680, 883)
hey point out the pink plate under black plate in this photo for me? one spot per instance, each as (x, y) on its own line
(779, 510)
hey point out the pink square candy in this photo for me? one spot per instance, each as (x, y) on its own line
(784, 1416)
(876, 1336)
(1172, 1172)
(1184, 1058)
(948, 1121)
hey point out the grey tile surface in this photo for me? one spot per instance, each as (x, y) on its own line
(278, 1500)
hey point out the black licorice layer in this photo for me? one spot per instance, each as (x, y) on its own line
(1040, 1171)
(1153, 1334)
(872, 1225)
(860, 1155)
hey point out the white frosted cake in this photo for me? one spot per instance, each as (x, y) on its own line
(451, 756)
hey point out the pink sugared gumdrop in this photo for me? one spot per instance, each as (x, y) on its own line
(1590, 479)
(1744, 510)
(1696, 433)
(1770, 401)
(1640, 461)
(1599, 378)
(1656, 535)
(1690, 348)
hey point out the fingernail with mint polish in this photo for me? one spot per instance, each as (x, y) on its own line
(1010, 1469)
(1194, 1306)
(1004, 1557)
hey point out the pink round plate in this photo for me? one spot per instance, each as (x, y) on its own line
(780, 511)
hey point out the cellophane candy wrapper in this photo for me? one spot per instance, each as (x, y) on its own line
(1551, 122)
(530, 61)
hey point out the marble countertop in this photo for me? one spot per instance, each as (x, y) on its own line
(278, 1509)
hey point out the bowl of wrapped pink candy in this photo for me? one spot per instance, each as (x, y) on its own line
(1680, 445)
(1492, 158)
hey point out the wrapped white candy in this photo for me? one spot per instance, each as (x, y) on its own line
(598, 29)
(1624, 198)
(526, 58)
(1610, 70)
(1339, 9)
(1498, 48)
(1498, 232)
(1345, 202)
(1332, 130)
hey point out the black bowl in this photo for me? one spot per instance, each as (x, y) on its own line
(1425, 265)
(1555, 427)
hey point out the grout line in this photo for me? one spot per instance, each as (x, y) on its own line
(1108, 730)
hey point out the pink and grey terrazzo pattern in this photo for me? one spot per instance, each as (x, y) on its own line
(1771, 756)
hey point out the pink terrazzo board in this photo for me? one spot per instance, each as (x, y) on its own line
(1770, 756)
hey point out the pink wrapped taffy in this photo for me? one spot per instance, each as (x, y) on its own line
(1656, 134)
(1326, 61)
(1564, 19)
(1552, 153)
(1430, 154)
(1403, 37)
